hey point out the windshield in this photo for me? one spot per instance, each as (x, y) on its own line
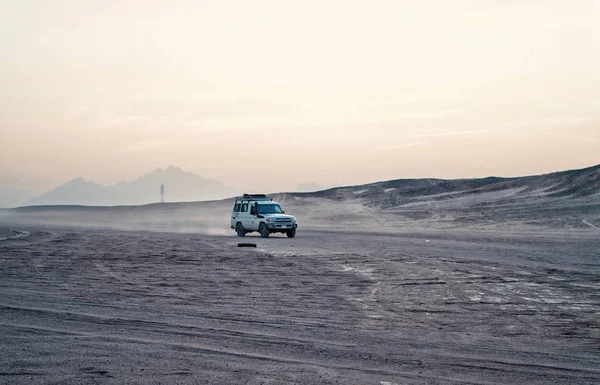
(269, 209)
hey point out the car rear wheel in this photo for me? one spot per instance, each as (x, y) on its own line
(264, 232)
(239, 229)
(291, 233)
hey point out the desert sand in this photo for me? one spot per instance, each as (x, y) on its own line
(493, 287)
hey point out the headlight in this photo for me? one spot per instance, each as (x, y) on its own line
(268, 220)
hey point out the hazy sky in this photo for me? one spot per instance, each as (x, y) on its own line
(272, 93)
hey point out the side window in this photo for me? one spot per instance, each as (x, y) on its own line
(244, 207)
(236, 208)
(253, 210)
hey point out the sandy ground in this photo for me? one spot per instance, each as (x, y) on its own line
(88, 306)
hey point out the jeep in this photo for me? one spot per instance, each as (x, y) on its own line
(258, 212)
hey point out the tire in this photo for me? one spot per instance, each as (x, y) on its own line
(264, 232)
(291, 233)
(239, 229)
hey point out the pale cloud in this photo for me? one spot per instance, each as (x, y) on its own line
(144, 145)
(129, 120)
(76, 113)
(553, 123)
(430, 135)
(398, 146)
(451, 133)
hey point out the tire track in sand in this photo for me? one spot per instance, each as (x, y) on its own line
(586, 222)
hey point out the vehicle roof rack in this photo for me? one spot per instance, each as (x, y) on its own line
(254, 197)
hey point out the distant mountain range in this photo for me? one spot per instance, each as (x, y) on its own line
(180, 186)
(566, 199)
(184, 186)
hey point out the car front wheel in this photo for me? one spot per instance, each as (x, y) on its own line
(264, 232)
(291, 233)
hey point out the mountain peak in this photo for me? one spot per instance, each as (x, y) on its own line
(181, 186)
(169, 169)
(78, 180)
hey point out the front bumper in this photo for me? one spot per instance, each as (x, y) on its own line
(281, 226)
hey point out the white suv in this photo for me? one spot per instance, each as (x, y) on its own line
(259, 212)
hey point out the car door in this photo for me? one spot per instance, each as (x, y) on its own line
(244, 216)
(254, 216)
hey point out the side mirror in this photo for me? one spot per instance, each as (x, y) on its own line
(283, 211)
